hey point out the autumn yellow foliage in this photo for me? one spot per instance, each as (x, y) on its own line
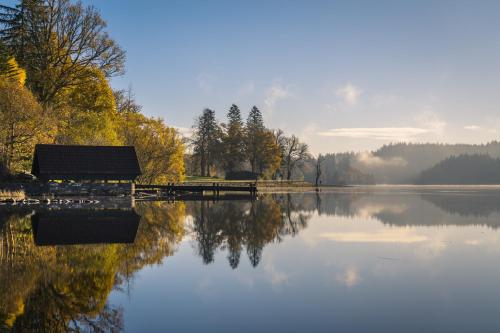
(160, 149)
(11, 71)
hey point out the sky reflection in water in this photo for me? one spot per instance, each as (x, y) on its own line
(350, 261)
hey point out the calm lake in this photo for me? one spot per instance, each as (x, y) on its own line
(354, 260)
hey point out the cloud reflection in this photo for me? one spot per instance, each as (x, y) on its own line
(350, 277)
(380, 236)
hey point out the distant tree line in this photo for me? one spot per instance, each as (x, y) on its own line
(335, 169)
(403, 162)
(463, 169)
(56, 59)
(244, 150)
(406, 163)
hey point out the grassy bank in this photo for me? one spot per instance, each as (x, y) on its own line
(262, 185)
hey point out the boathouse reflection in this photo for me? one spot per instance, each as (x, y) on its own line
(84, 226)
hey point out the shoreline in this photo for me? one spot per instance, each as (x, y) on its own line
(18, 192)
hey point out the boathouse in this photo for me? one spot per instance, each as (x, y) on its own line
(85, 163)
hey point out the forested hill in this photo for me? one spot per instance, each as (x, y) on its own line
(413, 152)
(403, 162)
(463, 169)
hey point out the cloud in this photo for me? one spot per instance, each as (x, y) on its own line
(382, 236)
(431, 121)
(427, 123)
(383, 100)
(206, 82)
(472, 127)
(378, 133)
(184, 131)
(274, 94)
(349, 278)
(247, 89)
(349, 93)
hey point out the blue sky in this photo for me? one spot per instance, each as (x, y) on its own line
(343, 75)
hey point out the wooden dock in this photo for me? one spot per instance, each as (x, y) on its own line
(178, 189)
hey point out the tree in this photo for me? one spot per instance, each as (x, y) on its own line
(22, 124)
(160, 149)
(254, 132)
(125, 101)
(88, 115)
(234, 140)
(206, 141)
(280, 141)
(319, 160)
(9, 68)
(57, 42)
(296, 153)
(268, 154)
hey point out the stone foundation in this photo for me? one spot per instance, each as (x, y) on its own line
(73, 189)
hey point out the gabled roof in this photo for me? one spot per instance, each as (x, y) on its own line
(71, 162)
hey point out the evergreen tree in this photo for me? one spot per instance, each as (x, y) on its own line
(9, 68)
(254, 133)
(206, 142)
(234, 140)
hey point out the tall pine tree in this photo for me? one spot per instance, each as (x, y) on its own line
(234, 140)
(206, 142)
(254, 132)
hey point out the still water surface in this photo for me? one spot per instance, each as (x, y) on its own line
(363, 260)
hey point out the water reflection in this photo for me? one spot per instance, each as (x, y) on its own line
(84, 226)
(65, 288)
(250, 226)
(87, 254)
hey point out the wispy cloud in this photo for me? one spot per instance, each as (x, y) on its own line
(431, 121)
(276, 93)
(472, 127)
(206, 82)
(378, 133)
(349, 93)
(247, 89)
(427, 123)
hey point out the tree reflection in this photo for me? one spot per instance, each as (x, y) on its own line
(234, 226)
(65, 288)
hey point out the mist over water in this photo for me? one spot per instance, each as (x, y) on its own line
(363, 259)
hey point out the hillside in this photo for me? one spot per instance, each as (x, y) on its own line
(403, 162)
(463, 169)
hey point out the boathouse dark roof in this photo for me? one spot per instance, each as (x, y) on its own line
(71, 162)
